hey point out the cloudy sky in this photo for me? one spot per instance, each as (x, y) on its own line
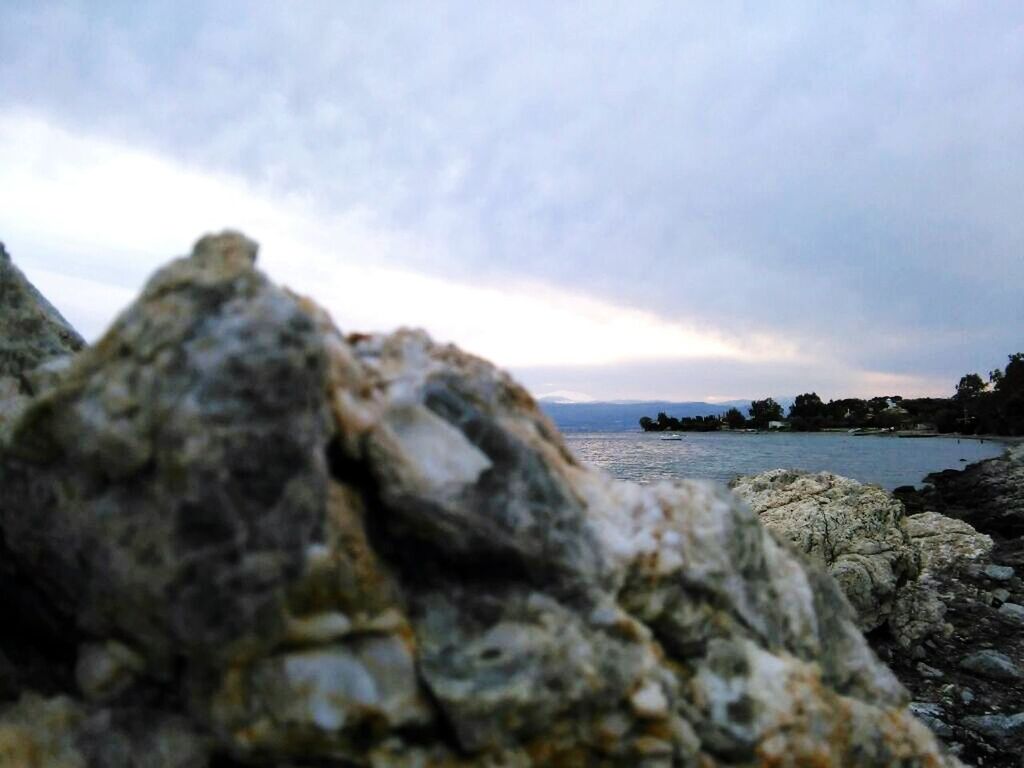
(622, 200)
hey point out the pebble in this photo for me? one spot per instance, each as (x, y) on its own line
(930, 672)
(1002, 595)
(966, 695)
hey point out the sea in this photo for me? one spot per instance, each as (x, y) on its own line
(888, 461)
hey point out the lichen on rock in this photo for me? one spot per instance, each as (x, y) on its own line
(293, 546)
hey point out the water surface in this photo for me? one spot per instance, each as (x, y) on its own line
(886, 461)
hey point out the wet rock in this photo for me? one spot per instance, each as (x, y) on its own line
(852, 529)
(277, 545)
(992, 664)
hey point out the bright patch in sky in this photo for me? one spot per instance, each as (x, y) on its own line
(117, 213)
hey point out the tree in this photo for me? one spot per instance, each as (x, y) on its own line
(646, 424)
(969, 389)
(735, 419)
(807, 412)
(764, 411)
(1012, 380)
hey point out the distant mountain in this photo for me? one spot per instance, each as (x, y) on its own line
(624, 416)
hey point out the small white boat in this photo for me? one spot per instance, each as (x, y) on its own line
(674, 438)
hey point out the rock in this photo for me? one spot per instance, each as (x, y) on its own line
(37, 732)
(998, 572)
(273, 544)
(916, 612)
(852, 529)
(946, 545)
(31, 330)
(989, 494)
(1013, 612)
(927, 671)
(32, 334)
(106, 670)
(1001, 595)
(932, 715)
(992, 664)
(966, 695)
(1004, 731)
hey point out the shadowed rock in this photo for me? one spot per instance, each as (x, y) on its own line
(989, 494)
(285, 545)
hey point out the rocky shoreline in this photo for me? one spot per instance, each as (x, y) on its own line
(934, 575)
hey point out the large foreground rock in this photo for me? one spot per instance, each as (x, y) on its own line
(248, 539)
(854, 530)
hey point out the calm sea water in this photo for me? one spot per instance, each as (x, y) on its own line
(887, 461)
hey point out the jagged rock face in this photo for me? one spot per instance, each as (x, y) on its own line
(32, 333)
(989, 494)
(854, 530)
(289, 546)
(31, 330)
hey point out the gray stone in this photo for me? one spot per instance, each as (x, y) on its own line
(966, 695)
(932, 715)
(1001, 595)
(992, 664)
(1004, 731)
(1013, 612)
(998, 572)
(377, 550)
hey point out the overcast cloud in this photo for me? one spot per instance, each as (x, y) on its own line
(824, 198)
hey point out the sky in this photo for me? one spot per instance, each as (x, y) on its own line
(701, 201)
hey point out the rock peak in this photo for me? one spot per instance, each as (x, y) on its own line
(228, 247)
(31, 329)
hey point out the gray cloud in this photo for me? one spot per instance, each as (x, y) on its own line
(850, 177)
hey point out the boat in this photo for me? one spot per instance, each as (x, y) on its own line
(673, 439)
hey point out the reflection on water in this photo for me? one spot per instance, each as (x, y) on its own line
(887, 461)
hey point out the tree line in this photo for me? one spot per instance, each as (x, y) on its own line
(995, 406)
